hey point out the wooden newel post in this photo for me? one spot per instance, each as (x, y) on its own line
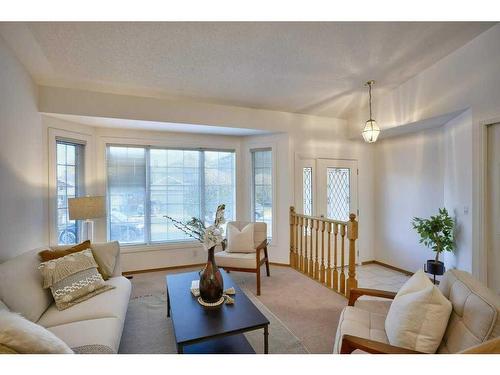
(352, 235)
(292, 237)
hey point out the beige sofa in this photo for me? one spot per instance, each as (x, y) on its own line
(92, 326)
(474, 320)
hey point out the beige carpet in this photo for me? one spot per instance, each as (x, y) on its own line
(148, 331)
(301, 305)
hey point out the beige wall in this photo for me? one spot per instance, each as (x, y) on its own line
(22, 179)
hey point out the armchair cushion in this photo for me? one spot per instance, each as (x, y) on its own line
(361, 323)
(240, 241)
(418, 316)
(259, 234)
(237, 260)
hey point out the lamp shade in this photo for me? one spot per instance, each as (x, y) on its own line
(83, 208)
(371, 131)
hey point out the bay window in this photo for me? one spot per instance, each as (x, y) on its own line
(147, 183)
(70, 184)
(262, 187)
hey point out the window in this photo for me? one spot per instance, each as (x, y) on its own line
(338, 193)
(262, 189)
(126, 193)
(69, 164)
(145, 184)
(307, 190)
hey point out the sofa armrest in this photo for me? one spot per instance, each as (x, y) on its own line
(355, 293)
(351, 343)
(488, 347)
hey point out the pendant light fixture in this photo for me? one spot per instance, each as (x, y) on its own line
(371, 131)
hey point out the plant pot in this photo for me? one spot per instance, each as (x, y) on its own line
(211, 282)
(434, 267)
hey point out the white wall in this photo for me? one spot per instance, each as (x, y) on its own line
(467, 78)
(408, 183)
(22, 179)
(457, 167)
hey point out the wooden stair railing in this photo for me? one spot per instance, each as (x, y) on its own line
(307, 245)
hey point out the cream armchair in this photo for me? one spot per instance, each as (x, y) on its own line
(251, 261)
(474, 325)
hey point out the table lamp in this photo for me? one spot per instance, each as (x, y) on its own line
(87, 208)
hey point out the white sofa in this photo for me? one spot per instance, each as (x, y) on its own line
(92, 326)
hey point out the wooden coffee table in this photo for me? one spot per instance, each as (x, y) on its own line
(212, 330)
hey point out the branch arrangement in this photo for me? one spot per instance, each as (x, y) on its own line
(195, 228)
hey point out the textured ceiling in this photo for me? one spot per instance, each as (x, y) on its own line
(312, 68)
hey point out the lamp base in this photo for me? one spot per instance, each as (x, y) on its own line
(88, 230)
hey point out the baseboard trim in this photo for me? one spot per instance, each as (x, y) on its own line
(185, 266)
(408, 273)
(279, 264)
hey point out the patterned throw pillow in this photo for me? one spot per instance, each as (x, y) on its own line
(73, 278)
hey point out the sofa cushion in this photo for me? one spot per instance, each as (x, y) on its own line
(418, 316)
(240, 241)
(374, 304)
(23, 336)
(358, 322)
(21, 286)
(106, 254)
(112, 304)
(237, 260)
(73, 278)
(475, 315)
(98, 333)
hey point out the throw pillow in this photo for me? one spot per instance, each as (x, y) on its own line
(47, 255)
(240, 241)
(73, 278)
(418, 316)
(19, 335)
(105, 254)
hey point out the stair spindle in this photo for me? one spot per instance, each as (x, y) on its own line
(322, 268)
(311, 256)
(329, 269)
(342, 274)
(335, 285)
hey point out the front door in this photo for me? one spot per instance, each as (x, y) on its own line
(337, 188)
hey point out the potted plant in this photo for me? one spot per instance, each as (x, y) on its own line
(436, 232)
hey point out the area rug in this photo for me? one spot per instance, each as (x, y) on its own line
(147, 329)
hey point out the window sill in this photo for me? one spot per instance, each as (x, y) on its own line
(127, 249)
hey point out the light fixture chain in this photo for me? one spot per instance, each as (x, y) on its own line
(370, 93)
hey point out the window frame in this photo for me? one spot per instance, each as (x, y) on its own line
(54, 135)
(147, 209)
(252, 150)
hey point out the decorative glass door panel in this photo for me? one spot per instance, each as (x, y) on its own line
(337, 188)
(338, 195)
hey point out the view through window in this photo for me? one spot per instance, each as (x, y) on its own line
(69, 161)
(146, 183)
(262, 192)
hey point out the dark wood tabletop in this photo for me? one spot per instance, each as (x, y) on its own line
(194, 323)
